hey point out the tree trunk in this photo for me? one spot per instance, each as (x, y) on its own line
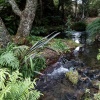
(75, 8)
(63, 11)
(83, 10)
(41, 9)
(83, 16)
(27, 18)
(4, 35)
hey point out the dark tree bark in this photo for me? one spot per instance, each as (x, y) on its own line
(26, 16)
(4, 35)
(41, 9)
(26, 19)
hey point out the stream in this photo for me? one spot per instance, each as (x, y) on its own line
(53, 83)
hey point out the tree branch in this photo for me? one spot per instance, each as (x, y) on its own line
(15, 7)
(31, 5)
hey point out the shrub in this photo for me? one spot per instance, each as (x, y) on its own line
(37, 63)
(38, 30)
(55, 20)
(79, 26)
(94, 28)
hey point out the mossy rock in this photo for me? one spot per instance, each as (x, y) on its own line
(72, 76)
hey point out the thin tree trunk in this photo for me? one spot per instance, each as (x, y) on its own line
(63, 11)
(83, 10)
(76, 8)
(41, 9)
(83, 16)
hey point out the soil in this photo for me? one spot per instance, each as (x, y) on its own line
(91, 19)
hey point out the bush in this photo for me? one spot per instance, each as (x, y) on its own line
(94, 29)
(79, 26)
(55, 20)
(38, 30)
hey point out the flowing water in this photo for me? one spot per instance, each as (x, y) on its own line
(53, 83)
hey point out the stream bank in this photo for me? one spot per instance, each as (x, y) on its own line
(56, 86)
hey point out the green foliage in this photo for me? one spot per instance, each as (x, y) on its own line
(69, 23)
(97, 96)
(59, 46)
(38, 30)
(19, 51)
(14, 58)
(13, 87)
(79, 26)
(9, 56)
(26, 59)
(87, 95)
(8, 59)
(34, 63)
(98, 56)
(33, 39)
(94, 28)
(95, 4)
(38, 63)
(12, 84)
(56, 2)
(55, 20)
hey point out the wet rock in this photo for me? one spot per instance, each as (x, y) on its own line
(79, 93)
(58, 72)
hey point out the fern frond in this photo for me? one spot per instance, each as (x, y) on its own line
(94, 28)
(8, 59)
(19, 51)
(18, 89)
(3, 74)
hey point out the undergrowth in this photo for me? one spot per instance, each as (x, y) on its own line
(13, 87)
(17, 66)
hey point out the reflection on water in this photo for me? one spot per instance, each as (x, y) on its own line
(79, 37)
(87, 54)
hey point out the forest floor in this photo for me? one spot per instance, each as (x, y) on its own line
(55, 48)
(91, 19)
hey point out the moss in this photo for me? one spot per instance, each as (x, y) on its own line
(72, 76)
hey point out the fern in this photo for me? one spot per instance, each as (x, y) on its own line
(3, 73)
(16, 88)
(19, 51)
(7, 59)
(94, 28)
